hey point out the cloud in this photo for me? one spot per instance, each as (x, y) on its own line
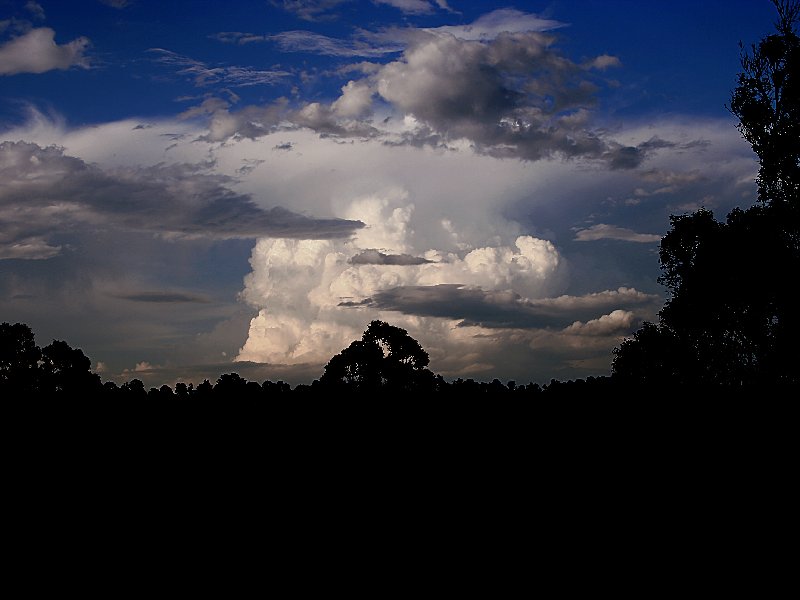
(413, 7)
(474, 306)
(510, 96)
(603, 62)
(35, 9)
(309, 10)
(305, 299)
(36, 52)
(616, 322)
(316, 43)
(116, 3)
(168, 297)
(498, 85)
(373, 257)
(500, 21)
(47, 193)
(602, 231)
(204, 75)
(305, 290)
(238, 37)
(355, 101)
(26, 248)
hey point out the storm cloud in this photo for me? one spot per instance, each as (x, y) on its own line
(46, 192)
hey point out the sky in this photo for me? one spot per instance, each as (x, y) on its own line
(192, 188)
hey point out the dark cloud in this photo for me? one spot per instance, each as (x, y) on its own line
(373, 257)
(503, 309)
(46, 193)
(512, 96)
(166, 297)
(603, 231)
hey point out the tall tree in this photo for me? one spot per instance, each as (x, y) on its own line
(731, 314)
(767, 103)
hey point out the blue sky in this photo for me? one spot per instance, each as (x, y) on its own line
(192, 188)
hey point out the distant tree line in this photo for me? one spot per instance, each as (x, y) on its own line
(385, 361)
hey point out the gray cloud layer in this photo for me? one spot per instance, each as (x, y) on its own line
(46, 193)
(504, 309)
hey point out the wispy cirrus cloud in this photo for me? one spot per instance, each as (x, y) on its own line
(497, 22)
(315, 43)
(203, 74)
(416, 7)
(310, 10)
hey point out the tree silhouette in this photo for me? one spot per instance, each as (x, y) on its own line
(65, 370)
(767, 102)
(385, 357)
(19, 360)
(731, 313)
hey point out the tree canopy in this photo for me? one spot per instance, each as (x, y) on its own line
(730, 317)
(385, 357)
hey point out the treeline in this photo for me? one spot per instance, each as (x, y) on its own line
(60, 371)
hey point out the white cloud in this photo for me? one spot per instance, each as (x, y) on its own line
(616, 322)
(413, 7)
(603, 62)
(355, 101)
(36, 52)
(503, 20)
(312, 297)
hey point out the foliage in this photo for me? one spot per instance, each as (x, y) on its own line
(385, 357)
(730, 317)
(767, 102)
